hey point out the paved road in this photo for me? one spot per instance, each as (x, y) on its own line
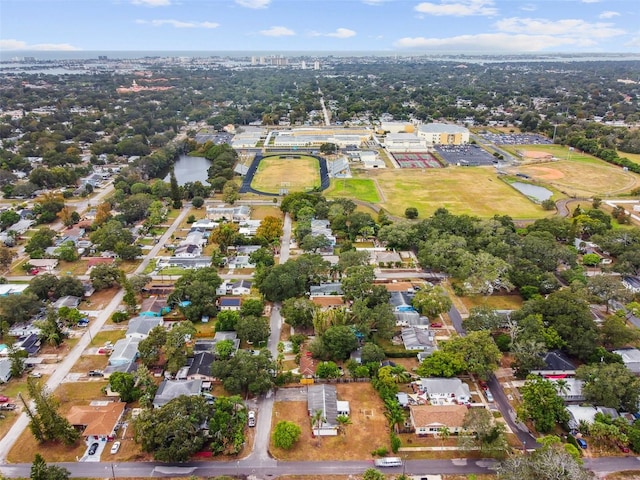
(62, 370)
(460, 466)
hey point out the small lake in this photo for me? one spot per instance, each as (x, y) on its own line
(539, 193)
(190, 169)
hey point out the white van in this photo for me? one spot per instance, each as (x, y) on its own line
(388, 462)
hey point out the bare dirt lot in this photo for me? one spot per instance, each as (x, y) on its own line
(368, 431)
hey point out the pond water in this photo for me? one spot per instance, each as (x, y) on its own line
(190, 169)
(539, 193)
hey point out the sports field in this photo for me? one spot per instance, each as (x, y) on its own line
(579, 174)
(416, 160)
(294, 173)
(359, 188)
(470, 190)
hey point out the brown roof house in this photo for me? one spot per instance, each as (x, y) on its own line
(429, 419)
(98, 419)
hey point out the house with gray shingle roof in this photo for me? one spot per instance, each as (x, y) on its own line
(170, 389)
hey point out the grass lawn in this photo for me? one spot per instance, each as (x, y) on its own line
(461, 190)
(107, 336)
(69, 394)
(497, 302)
(359, 188)
(581, 175)
(301, 174)
(634, 157)
(368, 431)
(90, 362)
(99, 299)
(259, 212)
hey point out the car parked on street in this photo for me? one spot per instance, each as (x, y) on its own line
(8, 406)
(95, 373)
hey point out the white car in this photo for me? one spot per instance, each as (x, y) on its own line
(115, 447)
(489, 395)
(251, 417)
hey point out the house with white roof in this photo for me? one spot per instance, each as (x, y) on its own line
(630, 358)
(441, 391)
(139, 327)
(125, 351)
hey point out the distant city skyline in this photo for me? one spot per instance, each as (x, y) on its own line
(463, 26)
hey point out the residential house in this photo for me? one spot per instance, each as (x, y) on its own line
(187, 250)
(328, 302)
(184, 262)
(557, 365)
(125, 351)
(154, 307)
(631, 283)
(331, 288)
(230, 303)
(98, 420)
(246, 249)
(234, 214)
(5, 370)
(578, 413)
(139, 327)
(241, 287)
(387, 258)
(220, 336)
(241, 261)
(30, 344)
(323, 228)
(630, 358)
(44, 264)
(430, 419)
(24, 330)
(200, 367)
(324, 398)
(441, 391)
(170, 389)
(570, 389)
(68, 301)
(12, 289)
(421, 339)
(249, 228)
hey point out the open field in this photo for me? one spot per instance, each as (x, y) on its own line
(498, 302)
(634, 157)
(577, 173)
(461, 190)
(359, 188)
(368, 431)
(301, 174)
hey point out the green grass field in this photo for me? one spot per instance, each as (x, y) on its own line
(577, 174)
(358, 188)
(299, 174)
(461, 190)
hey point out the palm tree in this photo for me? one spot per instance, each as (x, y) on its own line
(317, 419)
(394, 414)
(562, 387)
(444, 433)
(343, 422)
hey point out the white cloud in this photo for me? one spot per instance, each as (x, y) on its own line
(529, 7)
(12, 44)
(567, 28)
(278, 32)
(255, 4)
(633, 43)
(178, 23)
(459, 8)
(152, 3)
(339, 33)
(498, 42)
(609, 14)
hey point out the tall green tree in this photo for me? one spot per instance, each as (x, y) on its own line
(286, 434)
(46, 422)
(41, 471)
(431, 301)
(611, 385)
(173, 432)
(541, 404)
(227, 425)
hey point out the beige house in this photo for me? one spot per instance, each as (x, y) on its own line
(429, 419)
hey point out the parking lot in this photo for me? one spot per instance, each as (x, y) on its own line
(516, 139)
(465, 155)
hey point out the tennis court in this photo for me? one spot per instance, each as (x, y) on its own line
(416, 160)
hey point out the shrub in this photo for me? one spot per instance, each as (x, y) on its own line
(380, 452)
(119, 317)
(396, 443)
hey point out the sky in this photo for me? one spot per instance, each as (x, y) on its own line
(436, 26)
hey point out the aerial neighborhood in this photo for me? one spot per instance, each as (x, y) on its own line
(370, 267)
